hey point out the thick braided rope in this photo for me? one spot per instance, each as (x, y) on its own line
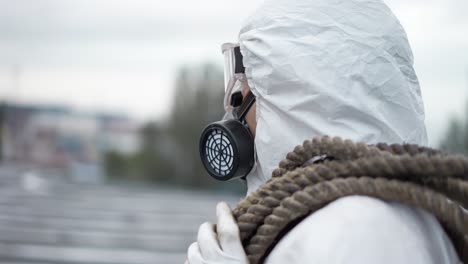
(422, 170)
(339, 149)
(342, 150)
(282, 188)
(435, 173)
(312, 198)
(345, 150)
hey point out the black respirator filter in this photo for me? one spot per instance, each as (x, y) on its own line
(227, 150)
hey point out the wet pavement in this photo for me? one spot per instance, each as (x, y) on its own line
(48, 220)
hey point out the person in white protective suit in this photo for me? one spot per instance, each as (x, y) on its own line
(337, 68)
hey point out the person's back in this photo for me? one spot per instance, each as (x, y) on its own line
(359, 229)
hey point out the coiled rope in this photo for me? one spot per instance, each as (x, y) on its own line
(410, 174)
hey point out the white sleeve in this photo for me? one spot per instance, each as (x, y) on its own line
(361, 230)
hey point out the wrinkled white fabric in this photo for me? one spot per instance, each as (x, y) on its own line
(339, 68)
(328, 67)
(361, 230)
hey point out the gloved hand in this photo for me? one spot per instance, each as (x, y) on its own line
(220, 243)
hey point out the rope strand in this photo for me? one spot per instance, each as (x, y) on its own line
(410, 174)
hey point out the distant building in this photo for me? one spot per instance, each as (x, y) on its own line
(57, 137)
(119, 134)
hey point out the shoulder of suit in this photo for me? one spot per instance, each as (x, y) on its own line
(362, 229)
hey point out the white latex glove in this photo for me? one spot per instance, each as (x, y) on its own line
(222, 245)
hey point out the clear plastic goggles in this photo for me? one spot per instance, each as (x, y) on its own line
(234, 74)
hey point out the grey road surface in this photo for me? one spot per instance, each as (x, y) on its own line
(50, 220)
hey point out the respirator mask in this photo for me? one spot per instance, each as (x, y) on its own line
(227, 147)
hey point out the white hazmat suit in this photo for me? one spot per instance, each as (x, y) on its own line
(338, 68)
(329, 67)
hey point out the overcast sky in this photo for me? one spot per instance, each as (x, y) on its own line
(123, 54)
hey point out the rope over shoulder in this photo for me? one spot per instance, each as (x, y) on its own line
(410, 174)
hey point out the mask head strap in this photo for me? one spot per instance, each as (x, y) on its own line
(245, 106)
(238, 61)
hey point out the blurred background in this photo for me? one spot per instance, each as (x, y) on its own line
(102, 103)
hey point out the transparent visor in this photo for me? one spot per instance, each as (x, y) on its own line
(233, 82)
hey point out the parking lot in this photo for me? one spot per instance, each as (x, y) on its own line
(50, 220)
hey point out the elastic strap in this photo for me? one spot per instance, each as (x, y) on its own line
(239, 64)
(245, 106)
